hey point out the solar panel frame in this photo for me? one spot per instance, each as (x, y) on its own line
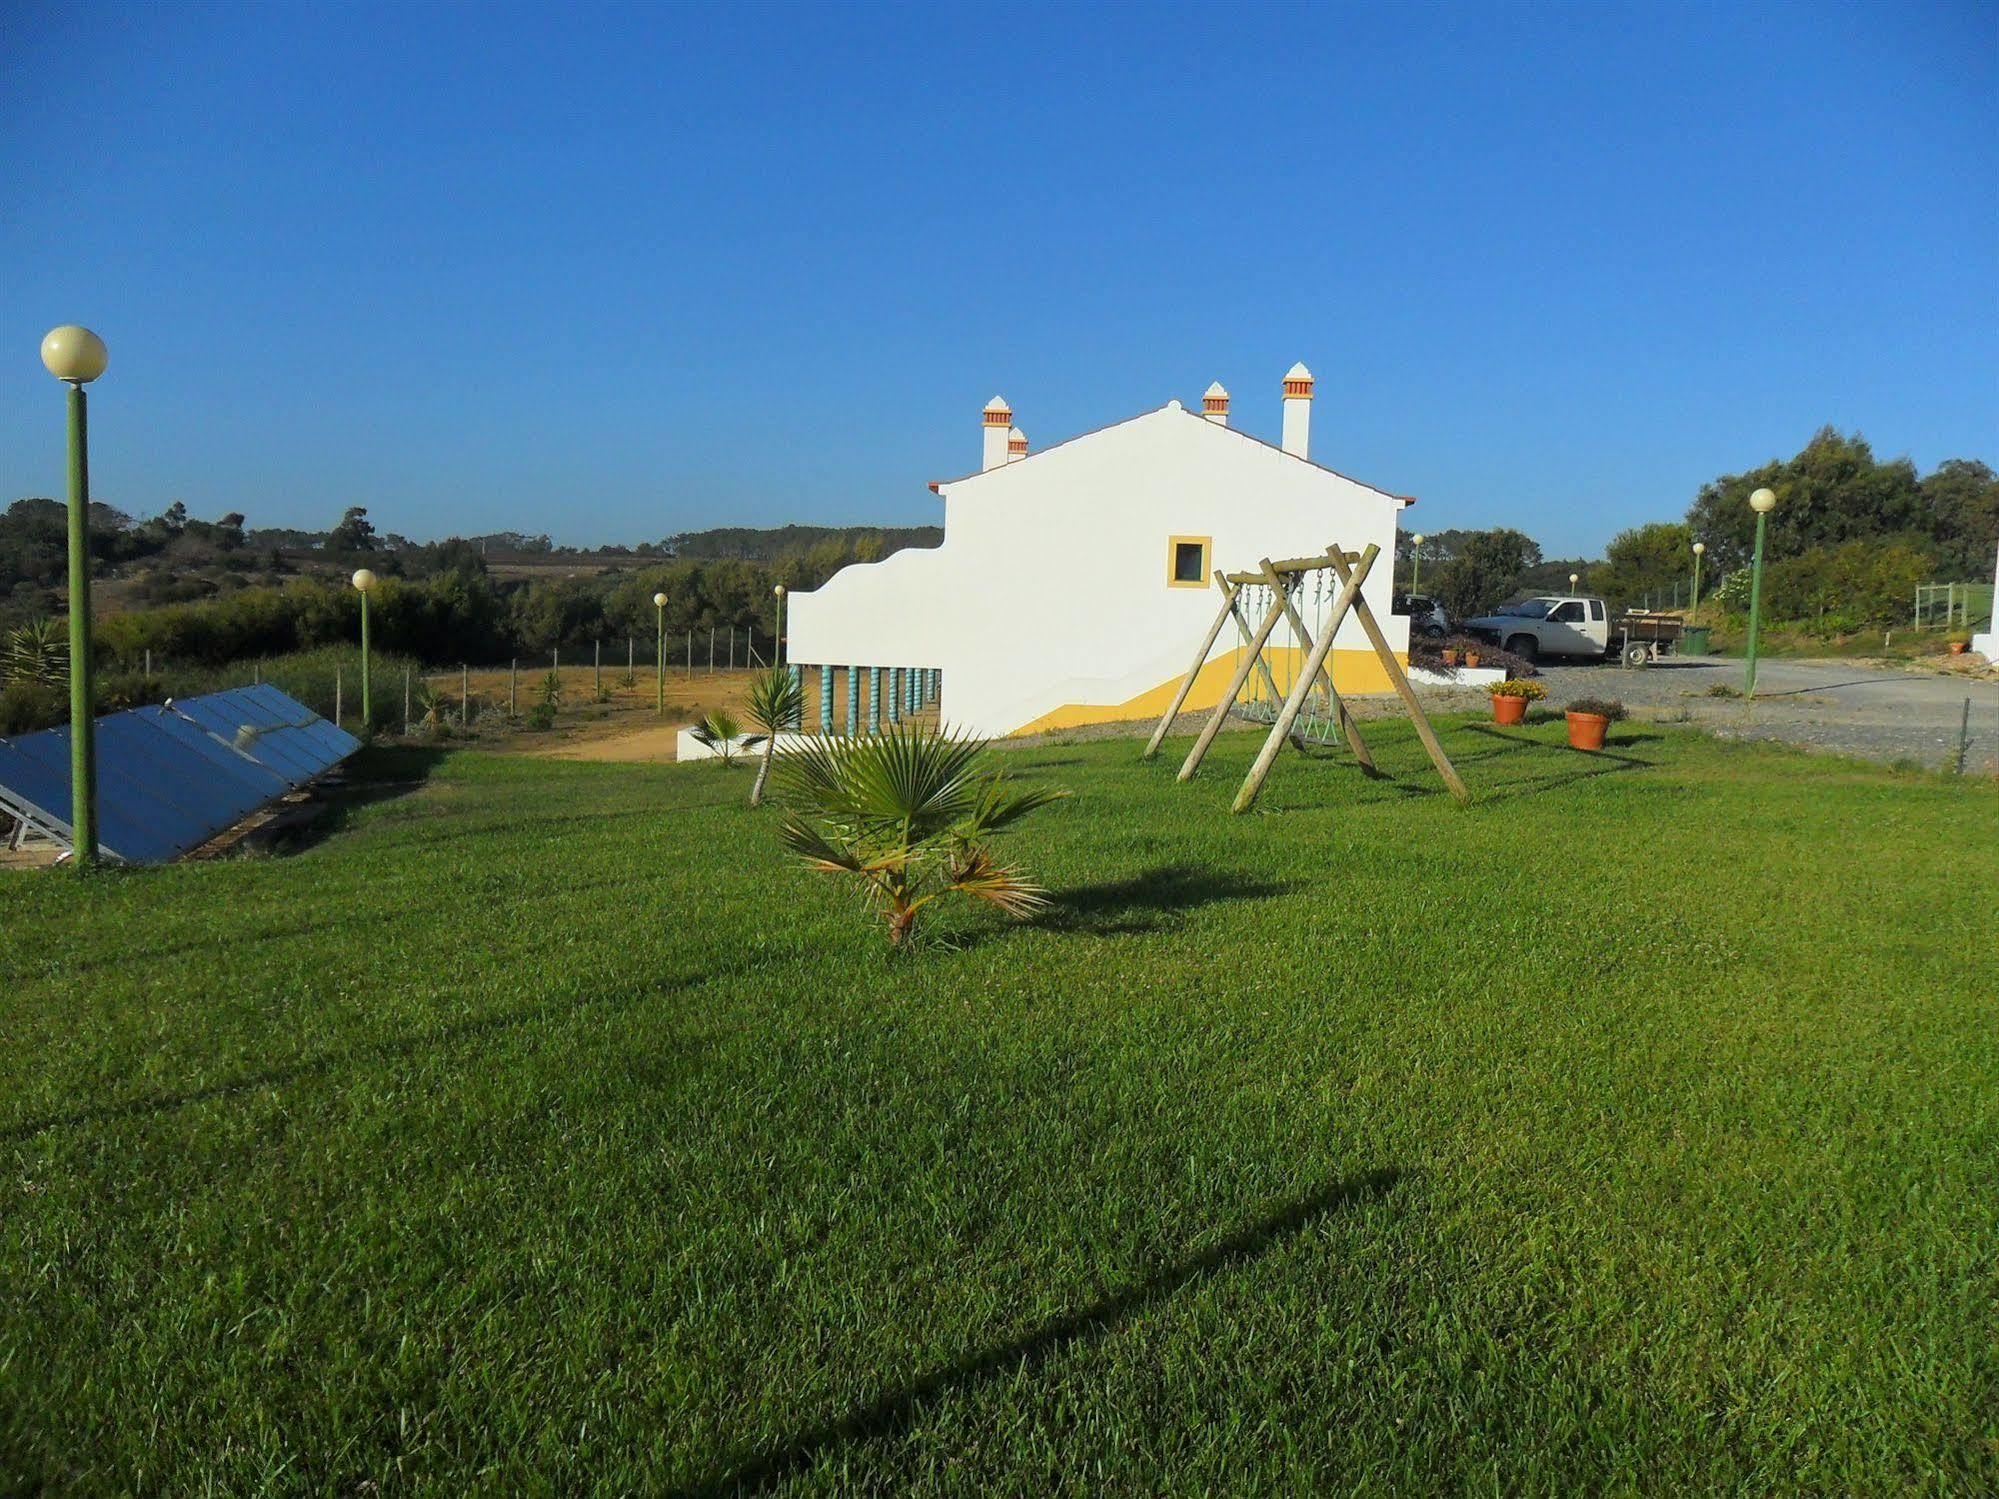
(28, 789)
(172, 778)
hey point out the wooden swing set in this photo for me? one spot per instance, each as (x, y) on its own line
(1350, 569)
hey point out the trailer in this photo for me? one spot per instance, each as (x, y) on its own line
(1642, 637)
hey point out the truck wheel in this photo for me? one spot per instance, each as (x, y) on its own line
(1636, 655)
(1526, 647)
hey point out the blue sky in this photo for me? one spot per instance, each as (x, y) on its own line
(613, 273)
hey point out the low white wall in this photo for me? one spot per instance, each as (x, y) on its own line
(1457, 676)
(687, 747)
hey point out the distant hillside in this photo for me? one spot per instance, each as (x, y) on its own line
(773, 544)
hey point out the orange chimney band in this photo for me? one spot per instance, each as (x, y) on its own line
(999, 418)
(1298, 388)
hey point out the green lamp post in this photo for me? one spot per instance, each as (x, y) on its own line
(659, 651)
(1694, 612)
(76, 356)
(364, 581)
(777, 649)
(1416, 562)
(1762, 502)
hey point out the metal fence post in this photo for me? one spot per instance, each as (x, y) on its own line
(597, 679)
(514, 688)
(336, 697)
(464, 694)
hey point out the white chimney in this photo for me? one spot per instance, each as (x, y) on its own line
(1016, 445)
(998, 423)
(1215, 404)
(1298, 411)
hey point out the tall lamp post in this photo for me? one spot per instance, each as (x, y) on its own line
(777, 650)
(659, 651)
(76, 356)
(364, 581)
(1762, 502)
(1415, 562)
(1694, 613)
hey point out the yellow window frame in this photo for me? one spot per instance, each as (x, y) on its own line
(1173, 545)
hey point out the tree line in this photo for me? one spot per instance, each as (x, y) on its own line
(1850, 539)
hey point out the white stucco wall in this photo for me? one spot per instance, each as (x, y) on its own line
(1051, 588)
(1987, 644)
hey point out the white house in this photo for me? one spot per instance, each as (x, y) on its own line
(1073, 582)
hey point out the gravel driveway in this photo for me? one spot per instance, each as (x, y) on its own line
(1875, 711)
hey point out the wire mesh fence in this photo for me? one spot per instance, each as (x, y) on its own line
(1966, 606)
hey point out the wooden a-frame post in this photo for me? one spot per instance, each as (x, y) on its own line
(1253, 658)
(1348, 725)
(1400, 680)
(1200, 660)
(1351, 579)
(1230, 610)
(1300, 689)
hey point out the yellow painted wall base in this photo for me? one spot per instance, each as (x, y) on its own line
(1354, 672)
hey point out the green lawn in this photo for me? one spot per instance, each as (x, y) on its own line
(1636, 1127)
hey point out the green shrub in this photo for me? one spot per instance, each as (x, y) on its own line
(27, 706)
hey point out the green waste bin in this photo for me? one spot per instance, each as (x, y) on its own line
(1693, 640)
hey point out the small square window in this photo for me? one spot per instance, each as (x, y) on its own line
(1187, 562)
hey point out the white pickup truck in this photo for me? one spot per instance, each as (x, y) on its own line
(1551, 625)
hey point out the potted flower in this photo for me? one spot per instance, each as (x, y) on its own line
(1471, 658)
(1590, 719)
(1511, 697)
(1450, 656)
(1960, 642)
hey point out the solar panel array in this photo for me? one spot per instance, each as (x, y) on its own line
(170, 778)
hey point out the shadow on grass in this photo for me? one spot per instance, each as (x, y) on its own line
(899, 1409)
(400, 1046)
(1580, 765)
(374, 773)
(1143, 902)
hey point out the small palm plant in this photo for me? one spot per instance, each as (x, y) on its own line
(776, 703)
(908, 814)
(721, 732)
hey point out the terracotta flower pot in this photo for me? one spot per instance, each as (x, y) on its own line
(1586, 730)
(1471, 658)
(1958, 647)
(1450, 658)
(1508, 709)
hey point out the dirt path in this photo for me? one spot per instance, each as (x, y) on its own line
(645, 746)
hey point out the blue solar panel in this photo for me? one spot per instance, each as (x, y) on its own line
(170, 778)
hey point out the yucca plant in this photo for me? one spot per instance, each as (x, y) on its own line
(37, 651)
(720, 731)
(777, 702)
(908, 815)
